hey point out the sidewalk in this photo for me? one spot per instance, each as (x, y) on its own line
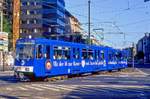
(6, 73)
(134, 72)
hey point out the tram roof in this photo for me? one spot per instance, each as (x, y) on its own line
(43, 40)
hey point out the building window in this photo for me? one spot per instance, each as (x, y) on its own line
(32, 3)
(35, 21)
(32, 12)
(28, 12)
(28, 3)
(49, 29)
(20, 30)
(23, 3)
(28, 21)
(35, 30)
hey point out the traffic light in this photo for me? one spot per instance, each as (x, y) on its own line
(146, 0)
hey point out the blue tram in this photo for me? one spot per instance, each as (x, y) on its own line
(48, 58)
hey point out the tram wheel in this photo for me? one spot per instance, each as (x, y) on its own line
(110, 71)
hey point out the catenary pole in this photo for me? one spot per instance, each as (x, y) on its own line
(89, 21)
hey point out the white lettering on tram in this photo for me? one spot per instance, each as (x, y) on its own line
(83, 63)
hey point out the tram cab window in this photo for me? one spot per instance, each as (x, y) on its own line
(39, 53)
(76, 53)
(47, 52)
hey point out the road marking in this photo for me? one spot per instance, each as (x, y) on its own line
(9, 89)
(82, 89)
(95, 89)
(22, 88)
(73, 97)
(127, 81)
(90, 81)
(142, 72)
(73, 88)
(41, 97)
(45, 87)
(118, 86)
(32, 87)
(114, 90)
(109, 78)
(129, 90)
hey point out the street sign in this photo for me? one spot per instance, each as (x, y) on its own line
(146, 0)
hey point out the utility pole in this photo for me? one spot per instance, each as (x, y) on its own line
(133, 52)
(16, 21)
(89, 21)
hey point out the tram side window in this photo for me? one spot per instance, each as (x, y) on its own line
(66, 53)
(119, 55)
(96, 54)
(84, 54)
(110, 56)
(114, 57)
(57, 53)
(76, 53)
(102, 55)
(47, 52)
(39, 52)
(90, 54)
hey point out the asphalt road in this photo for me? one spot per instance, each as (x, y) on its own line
(126, 84)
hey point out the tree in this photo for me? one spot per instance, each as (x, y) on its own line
(7, 27)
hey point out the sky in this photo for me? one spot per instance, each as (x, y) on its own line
(130, 17)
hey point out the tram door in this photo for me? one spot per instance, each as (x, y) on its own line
(47, 60)
(39, 60)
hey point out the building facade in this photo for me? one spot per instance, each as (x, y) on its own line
(72, 24)
(42, 18)
(7, 8)
(72, 28)
(143, 45)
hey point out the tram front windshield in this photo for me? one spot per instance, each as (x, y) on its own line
(24, 51)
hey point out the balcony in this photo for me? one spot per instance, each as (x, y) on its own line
(31, 7)
(30, 26)
(23, 17)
